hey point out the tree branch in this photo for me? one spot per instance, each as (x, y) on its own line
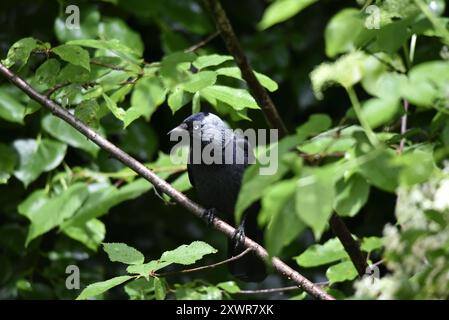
(351, 245)
(161, 184)
(257, 90)
(272, 116)
(209, 266)
(203, 42)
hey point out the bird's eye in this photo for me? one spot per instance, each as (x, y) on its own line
(196, 127)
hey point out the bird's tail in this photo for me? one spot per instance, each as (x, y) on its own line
(248, 268)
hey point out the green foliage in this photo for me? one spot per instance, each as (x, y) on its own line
(344, 101)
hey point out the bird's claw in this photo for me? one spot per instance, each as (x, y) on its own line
(239, 236)
(209, 215)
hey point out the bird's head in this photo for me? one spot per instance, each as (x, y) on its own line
(204, 126)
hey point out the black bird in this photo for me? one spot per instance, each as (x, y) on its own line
(217, 181)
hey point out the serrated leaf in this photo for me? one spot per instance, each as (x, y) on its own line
(342, 271)
(62, 131)
(11, 109)
(229, 286)
(87, 112)
(20, 52)
(315, 197)
(210, 60)
(178, 98)
(159, 289)
(371, 243)
(47, 213)
(199, 80)
(73, 54)
(36, 157)
(47, 72)
(281, 10)
(119, 113)
(351, 195)
(320, 254)
(121, 252)
(239, 99)
(234, 72)
(90, 234)
(98, 288)
(188, 254)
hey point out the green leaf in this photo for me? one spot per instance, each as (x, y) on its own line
(378, 112)
(281, 10)
(10, 108)
(98, 288)
(20, 52)
(90, 234)
(178, 98)
(101, 200)
(255, 184)
(88, 112)
(210, 60)
(73, 74)
(159, 289)
(380, 169)
(117, 29)
(342, 271)
(239, 99)
(146, 269)
(47, 72)
(320, 254)
(278, 205)
(315, 197)
(36, 157)
(342, 31)
(229, 286)
(148, 94)
(140, 289)
(188, 254)
(8, 161)
(119, 113)
(234, 72)
(123, 253)
(48, 213)
(199, 80)
(315, 124)
(64, 132)
(371, 243)
(113, 45)
(351, 195)
(417, 166)
(74, 55)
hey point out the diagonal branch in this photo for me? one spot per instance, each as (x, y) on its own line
(273, 119)
(161, 184)
(258, 92)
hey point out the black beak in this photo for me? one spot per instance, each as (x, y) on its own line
(179, 129)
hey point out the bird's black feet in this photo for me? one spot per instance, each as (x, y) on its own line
(209, 215)
(239, 236)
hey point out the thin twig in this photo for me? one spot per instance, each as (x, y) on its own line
(257, 90)
(282, 289)
(403, 126)
(209, 266)
(203, 42)
(55, 88)
(161, 184)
